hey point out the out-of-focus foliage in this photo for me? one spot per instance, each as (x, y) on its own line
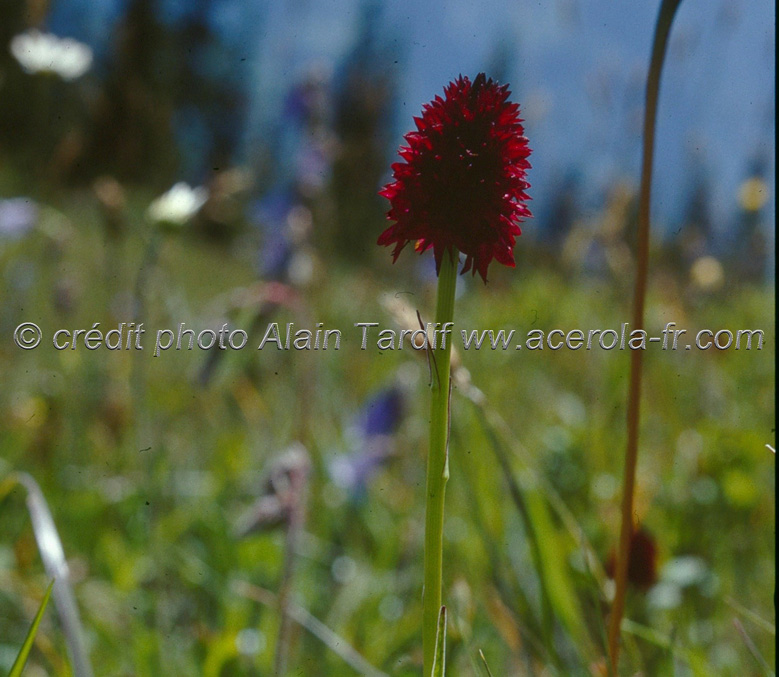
(147, 470)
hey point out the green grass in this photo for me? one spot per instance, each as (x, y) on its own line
(146, 471)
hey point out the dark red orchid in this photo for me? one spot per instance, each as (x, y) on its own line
(462, 182)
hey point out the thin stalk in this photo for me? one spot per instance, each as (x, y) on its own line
(437, 460)
(662, 30)
(296, 495)
(151, 256)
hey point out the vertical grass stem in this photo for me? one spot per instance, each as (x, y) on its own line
(662, 30)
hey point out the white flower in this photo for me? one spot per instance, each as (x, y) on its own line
(39, 52)
(178, 205)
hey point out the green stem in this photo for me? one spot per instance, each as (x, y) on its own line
(437, 459)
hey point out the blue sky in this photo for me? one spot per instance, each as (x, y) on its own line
(577, 68)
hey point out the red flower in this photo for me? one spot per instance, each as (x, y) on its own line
(462, 182)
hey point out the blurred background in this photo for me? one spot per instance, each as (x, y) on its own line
(219, 161)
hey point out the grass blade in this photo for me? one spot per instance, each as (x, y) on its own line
(696, 662)
(558, 596)
(758, 620)
(762, 662)
(24, 652)
(53, 556)
(484, 660)
(439, 661)
(304, 619)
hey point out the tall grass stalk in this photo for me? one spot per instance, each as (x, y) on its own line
(662, 30)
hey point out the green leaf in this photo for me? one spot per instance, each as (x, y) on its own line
(439, 662)
(21, 659)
